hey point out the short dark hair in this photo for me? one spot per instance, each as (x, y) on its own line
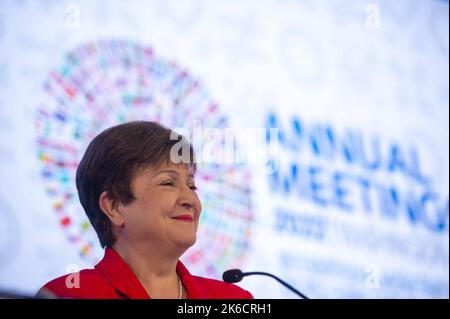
(111, 161)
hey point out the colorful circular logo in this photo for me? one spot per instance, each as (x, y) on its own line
(104, 83)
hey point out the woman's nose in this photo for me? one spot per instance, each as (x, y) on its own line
(187, 205)
(187, 198)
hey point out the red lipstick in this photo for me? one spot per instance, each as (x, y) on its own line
(186, 218)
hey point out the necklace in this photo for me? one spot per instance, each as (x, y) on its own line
(180, 288)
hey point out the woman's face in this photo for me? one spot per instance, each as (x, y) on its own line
(166, 208)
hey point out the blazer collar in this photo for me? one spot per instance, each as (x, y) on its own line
(193, 289)
(122, 278)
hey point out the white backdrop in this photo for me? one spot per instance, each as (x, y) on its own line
(358, 203)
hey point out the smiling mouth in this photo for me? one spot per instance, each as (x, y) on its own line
(185, 218)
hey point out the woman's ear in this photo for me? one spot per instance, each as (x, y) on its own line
(111, 209)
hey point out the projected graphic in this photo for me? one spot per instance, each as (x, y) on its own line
(104, 83)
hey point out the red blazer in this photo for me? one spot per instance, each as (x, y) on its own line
(112, 278)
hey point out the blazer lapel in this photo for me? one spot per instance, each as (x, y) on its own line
(120, 276)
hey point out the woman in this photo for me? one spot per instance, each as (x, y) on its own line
(145, 211)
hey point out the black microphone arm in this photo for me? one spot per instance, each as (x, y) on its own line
(236, 275)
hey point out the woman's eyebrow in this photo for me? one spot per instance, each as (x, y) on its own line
(167, 171)
(171, 171)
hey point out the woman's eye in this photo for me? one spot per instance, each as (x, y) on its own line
(172, 183)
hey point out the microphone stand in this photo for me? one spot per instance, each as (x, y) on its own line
(277, 279)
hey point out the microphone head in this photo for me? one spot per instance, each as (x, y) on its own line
(232, 276)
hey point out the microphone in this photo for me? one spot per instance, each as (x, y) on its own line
(235, 275)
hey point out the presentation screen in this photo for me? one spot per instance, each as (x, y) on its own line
(321, 130)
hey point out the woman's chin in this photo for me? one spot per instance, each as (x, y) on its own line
(186, 242)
